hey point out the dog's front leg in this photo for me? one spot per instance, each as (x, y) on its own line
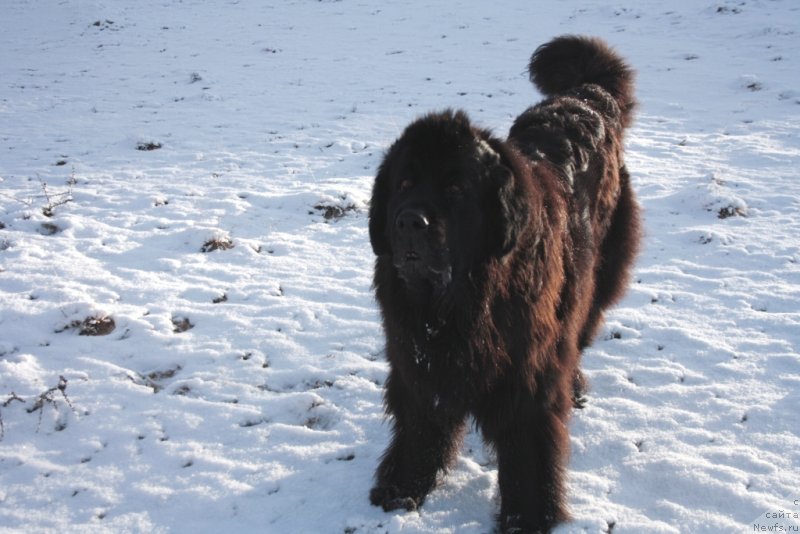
(424, 442)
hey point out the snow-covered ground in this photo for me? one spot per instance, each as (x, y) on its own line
(240, 388)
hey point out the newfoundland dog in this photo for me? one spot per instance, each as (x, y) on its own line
(495, 261)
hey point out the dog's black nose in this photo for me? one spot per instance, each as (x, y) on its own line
(411, 220)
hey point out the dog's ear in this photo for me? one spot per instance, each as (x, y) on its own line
(511, 212)
(378, 205)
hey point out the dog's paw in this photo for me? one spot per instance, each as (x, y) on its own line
(523, 523)
(391, 498)
(516, 524)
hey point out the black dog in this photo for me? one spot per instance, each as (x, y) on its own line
(495, 261)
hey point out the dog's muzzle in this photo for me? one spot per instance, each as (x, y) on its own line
(418, 254)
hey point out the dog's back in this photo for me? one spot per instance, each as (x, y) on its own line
(589, 90)
(578, 130)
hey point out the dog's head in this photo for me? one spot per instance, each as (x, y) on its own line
(444, 201)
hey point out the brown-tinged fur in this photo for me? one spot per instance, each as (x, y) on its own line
(495, 261)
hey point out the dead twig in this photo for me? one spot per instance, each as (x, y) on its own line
(58, 199)
(48, 397)
(9, 400)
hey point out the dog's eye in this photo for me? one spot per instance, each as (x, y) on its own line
(405, 184)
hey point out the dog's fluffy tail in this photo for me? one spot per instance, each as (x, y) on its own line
(570, 61)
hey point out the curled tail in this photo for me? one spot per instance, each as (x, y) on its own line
(569, 61)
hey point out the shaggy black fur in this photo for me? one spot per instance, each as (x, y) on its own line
(495, 261)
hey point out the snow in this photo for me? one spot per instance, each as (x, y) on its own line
(240, 389)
